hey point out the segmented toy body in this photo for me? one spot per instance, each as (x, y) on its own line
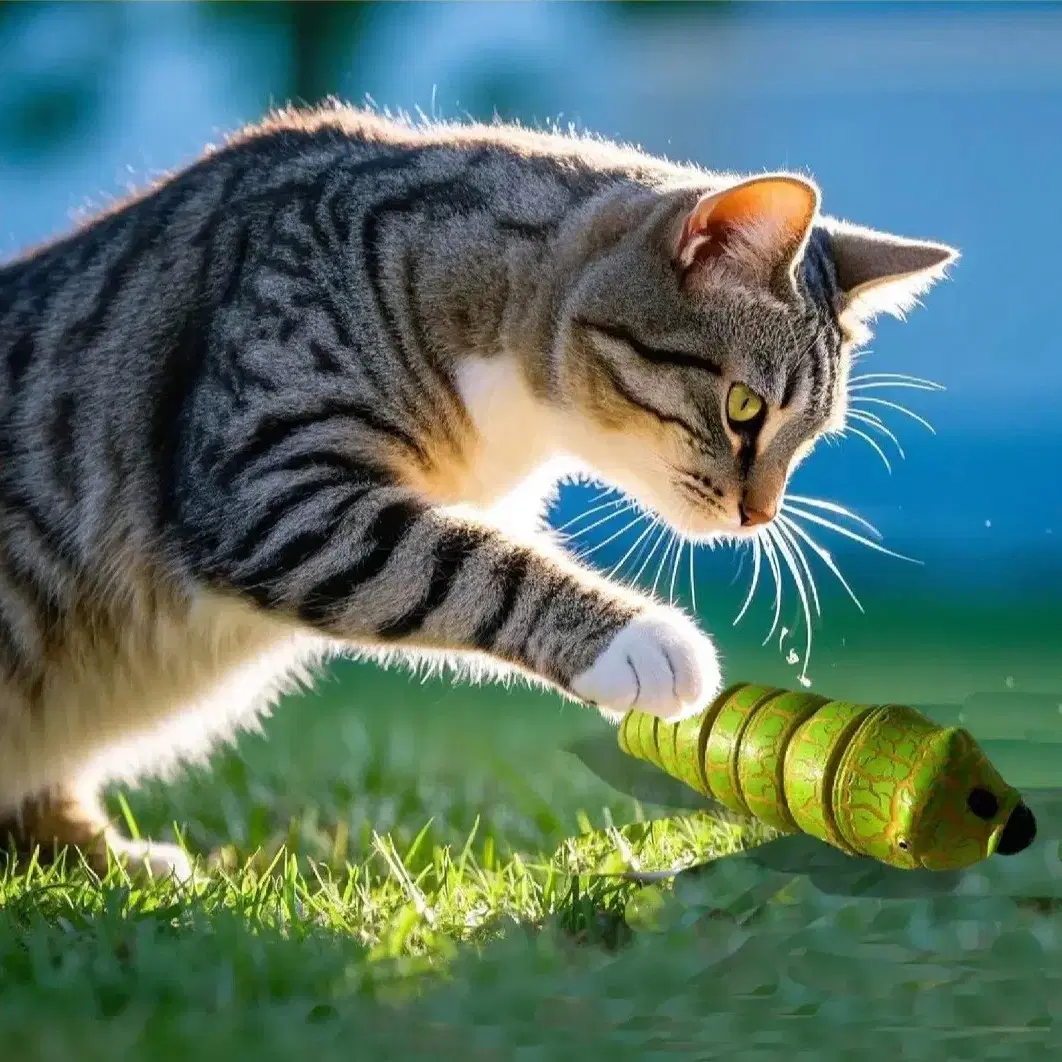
(874, 780)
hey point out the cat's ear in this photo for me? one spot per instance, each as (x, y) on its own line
(881, 273)
(760, 225)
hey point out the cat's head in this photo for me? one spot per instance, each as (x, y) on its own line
(708, 347)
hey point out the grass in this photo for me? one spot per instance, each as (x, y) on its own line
(427, 872)
(351, 866)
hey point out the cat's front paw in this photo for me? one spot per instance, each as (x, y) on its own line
(658, 663)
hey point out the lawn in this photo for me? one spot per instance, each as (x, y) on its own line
(426, 870)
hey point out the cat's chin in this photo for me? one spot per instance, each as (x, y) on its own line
(705, 531)
(732, 534)
(705, 536)
(741, 536)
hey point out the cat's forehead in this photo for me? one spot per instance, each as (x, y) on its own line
(765, 335)
(755, 333)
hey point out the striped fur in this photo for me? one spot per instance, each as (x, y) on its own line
(290, 400)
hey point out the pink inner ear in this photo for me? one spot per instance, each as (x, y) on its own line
(780, 209)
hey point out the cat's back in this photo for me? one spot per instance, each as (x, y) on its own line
(293, 153)
(293, 149)
(123, 289)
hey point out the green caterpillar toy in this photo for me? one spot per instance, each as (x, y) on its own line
(873, 780)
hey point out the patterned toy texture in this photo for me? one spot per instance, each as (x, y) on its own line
(872, 780)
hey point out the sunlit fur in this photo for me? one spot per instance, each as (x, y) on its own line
(313, 393)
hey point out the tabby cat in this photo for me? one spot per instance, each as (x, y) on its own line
(308, 395)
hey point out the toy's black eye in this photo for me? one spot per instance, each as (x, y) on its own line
(903, 846)
(982, 803)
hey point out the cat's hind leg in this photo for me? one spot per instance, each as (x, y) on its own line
(72, 818)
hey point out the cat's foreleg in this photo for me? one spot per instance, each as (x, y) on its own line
(374, 565)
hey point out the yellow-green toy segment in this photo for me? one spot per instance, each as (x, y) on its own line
(724, 742)
(761, 755)
(881, 781)
(810, 769)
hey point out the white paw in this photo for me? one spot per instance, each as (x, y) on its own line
(159, 860)
(659, 663)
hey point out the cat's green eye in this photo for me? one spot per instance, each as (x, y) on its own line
(743, 405)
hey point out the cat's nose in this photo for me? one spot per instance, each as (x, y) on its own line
(751, 517)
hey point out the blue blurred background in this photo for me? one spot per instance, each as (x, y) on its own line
(937, 121)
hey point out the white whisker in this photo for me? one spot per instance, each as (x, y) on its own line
(616, 534)
(596, 524)
(693, 581)
(776, 574)
(809, 575)
(641, 538)
(587, 513)
(869, 543)
(830, 507)
(794, 571)
(756, 560)
(675, 570)
(643, 543)
(899, 408)
(875, 421)
(672, 539)
(900, 377)
(825, 556)
(872, 442)
(664, 530)
(878, 385)
(740, 567)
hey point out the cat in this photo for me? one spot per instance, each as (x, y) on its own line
(311, 394)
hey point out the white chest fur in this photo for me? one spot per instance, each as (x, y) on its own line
(519, 456)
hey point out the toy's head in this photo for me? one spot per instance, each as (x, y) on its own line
(912, 794)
